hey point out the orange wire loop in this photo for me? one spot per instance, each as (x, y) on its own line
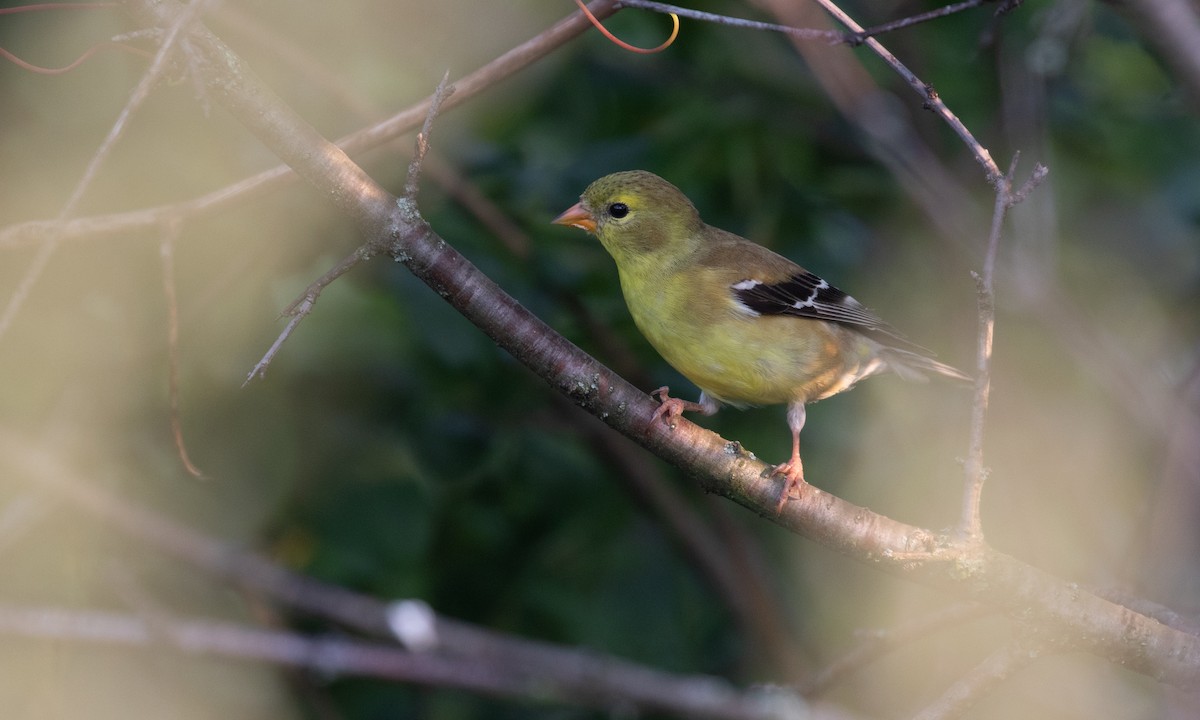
(621, 43)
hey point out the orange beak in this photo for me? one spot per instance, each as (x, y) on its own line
(576, 216)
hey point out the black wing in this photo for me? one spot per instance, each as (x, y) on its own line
(808, 296)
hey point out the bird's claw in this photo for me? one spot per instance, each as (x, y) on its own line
(793, 481)
(669, 406)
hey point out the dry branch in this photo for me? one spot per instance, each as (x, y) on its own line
(474, 83)
(1100, 626)
(452, 654)
(603, 683)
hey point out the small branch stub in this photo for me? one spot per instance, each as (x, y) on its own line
(304, 304)
(412, 182)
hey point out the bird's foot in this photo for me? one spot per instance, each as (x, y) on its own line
(793, 481)
(672, 407)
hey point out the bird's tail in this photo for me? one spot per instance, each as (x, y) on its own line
(914, 366)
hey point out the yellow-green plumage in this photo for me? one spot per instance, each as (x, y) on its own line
(747, 326)
(688, 314)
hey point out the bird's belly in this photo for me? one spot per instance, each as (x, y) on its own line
(743, 360)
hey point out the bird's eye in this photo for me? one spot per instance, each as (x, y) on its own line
(618, 210)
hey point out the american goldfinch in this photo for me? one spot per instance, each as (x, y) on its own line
(748, 326)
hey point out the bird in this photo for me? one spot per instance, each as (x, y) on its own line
(746, 325)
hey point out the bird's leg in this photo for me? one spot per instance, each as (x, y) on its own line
(792, 470)
(673, 407)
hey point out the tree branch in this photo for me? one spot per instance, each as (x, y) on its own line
(596, 681)
(1133, 640)
(158, 66)
(167, 256)
(522, 665)
(932, 100)
(303, 305)
(858, 35)
(969, 528)
(504, 66)
(853, 38)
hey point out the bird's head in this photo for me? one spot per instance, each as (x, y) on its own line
(634, 213)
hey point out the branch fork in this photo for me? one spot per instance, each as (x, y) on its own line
(409, 215)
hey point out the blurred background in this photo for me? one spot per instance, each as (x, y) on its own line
(394, 450)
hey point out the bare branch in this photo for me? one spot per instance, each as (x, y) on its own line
(723, 467)
(932, 100)
(63, 69)
(300, 308)
(589, 680)
(581, 676)
(852, 38)
(303, 305)
(858, 37)
(487, 76)
(969, 529)
(167, 255)
(803, 33)
(157, 67)
(1114, 632)
(1039, 174)
(413, 181)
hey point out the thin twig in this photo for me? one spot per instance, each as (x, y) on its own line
(858, 35)
(970, 529)
(64, 69)
(412, 183)
(167, 254)
(557, 670)
(484, 78)
(304, 304)
(641, 690)
(804, 33)
(932, 100)
(149, 79)
(1039, 174)
(851, 38)
(300, 308)
(857, 38)
(1166, 654)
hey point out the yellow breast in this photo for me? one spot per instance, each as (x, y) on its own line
(738, 357)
